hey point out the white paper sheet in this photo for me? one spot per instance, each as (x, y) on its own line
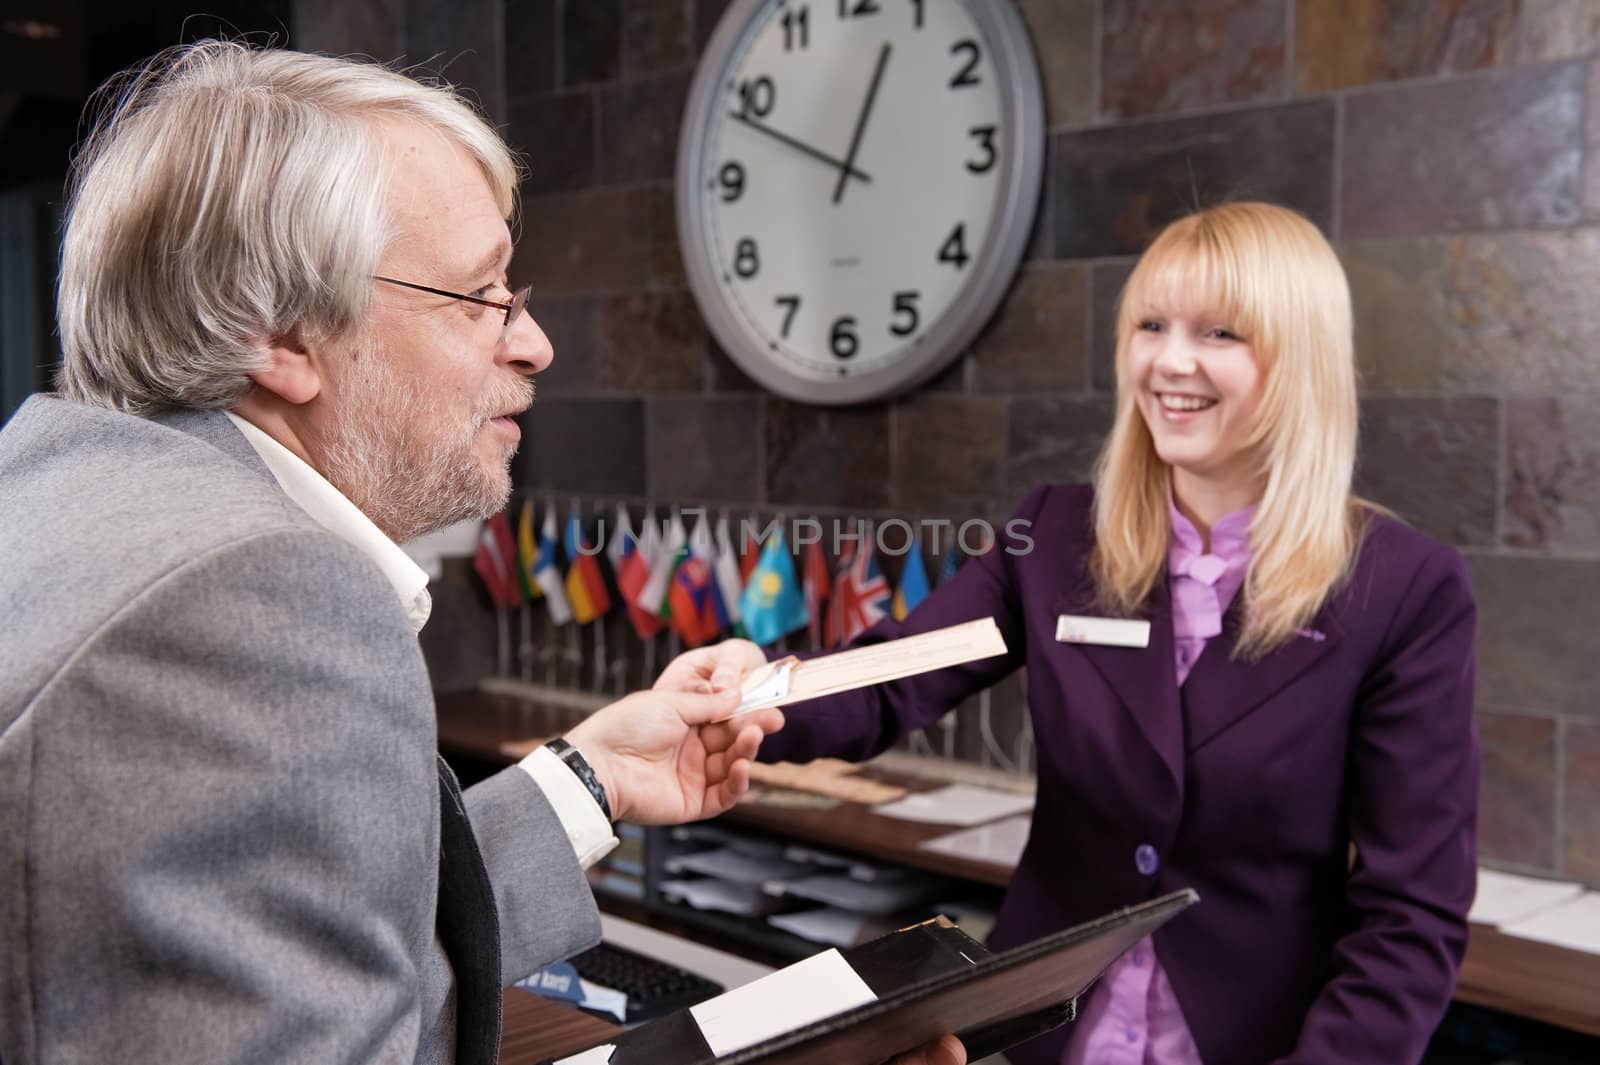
(1506, 897)
(825, 924)
(874, 898)
(807, 991)
(1000, 842)
(599, 1055)
(956, 804)
(1574, 924)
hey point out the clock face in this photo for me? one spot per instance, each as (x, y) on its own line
(856, 183)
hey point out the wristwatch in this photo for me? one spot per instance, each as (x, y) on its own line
(581, 769)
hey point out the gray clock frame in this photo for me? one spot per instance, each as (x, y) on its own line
(1010, 55)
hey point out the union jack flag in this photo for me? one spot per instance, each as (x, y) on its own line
(860, 596)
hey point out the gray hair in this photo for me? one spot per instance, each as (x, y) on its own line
(227, 198)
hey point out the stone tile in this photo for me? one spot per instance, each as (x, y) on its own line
(360, 27)
(1340, 43)
(592, 446)
(655, 37)
(706, 449)
(1512, 313)
(459, 640)
(555, 135)
(1536, 623)
(953, 378)
(1434, 461)
(949, 451)
(1553, 474)
(1160, 56)
(599, 240)
(591, 41)
(462, 42)
(1591, 155)
(1558, 29)
(1495, 150)
(1116, 187)
(1516, 806)
(1042, 237)
(827, 456)
(723, 374)
(706, 13)
(573, 326)
(1055, 440)
(651, 342)
(1062, 32)
(639, 129)
(1037, 340)
(1581, 805)
(1105, 295)
(533, 47)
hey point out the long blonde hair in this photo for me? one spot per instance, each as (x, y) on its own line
(1275, 279)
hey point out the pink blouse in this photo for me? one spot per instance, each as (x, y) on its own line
(1137, 1020)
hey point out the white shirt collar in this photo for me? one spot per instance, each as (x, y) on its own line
(328, 507)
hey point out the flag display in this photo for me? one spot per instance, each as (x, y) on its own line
(860, 596)
(547, 572)
(725, 575)
(494, 561)
(585, 585)
(817, 587)
(913, 587)
(693, 592)
(771, 606)
(668, 556)
(633, 573)
(527, 552)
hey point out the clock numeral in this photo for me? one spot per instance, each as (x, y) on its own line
(843, 339)
(954, 248)
(905, 303)
(796, 29)
(732, 178)
(857, 8)
(985, 135)
(918, 5)
(746, 263)
(757, 97)
(965, 78)
(793, 305)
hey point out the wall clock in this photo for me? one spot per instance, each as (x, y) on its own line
(856, 185)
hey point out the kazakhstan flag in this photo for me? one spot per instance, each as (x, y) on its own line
(771, 605)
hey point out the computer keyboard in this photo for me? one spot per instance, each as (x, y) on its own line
(653, 987)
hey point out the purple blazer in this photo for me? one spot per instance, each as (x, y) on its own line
(1251, 784)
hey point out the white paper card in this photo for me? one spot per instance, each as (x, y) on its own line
(956, 804)
(1506, 897)
(599, 1055)
(1107, 632)
(767, 686)
(1574, 924)
(1000, 843)
(807, 991)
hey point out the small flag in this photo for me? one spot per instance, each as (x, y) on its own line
(951, 564)
(669, 555)
(693, 592)
(527, 552)
(771, 605)
(586, 586)
(633, 573)
(547, 572)
(749, 552)
(818, 587)
(725, 572)
(913, 583)
(493, 561)
(860, 596)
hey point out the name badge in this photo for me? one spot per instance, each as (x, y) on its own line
(1108, 632)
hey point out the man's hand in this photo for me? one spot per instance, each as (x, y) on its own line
(710, 669)
(659, 759)
(947, 1051)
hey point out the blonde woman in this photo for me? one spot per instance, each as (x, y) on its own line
(1280, 715)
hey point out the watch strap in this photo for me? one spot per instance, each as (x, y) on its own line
(584, 772)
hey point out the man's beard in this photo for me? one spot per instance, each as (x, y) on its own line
(381, 454)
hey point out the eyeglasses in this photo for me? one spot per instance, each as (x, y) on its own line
(511, 308)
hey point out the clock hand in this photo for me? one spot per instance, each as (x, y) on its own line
(861, 123)
(845, 169)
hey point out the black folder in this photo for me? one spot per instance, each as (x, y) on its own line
(930, 979)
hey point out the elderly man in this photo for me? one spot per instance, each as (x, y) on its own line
(289, 346)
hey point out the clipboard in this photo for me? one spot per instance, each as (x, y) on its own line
(992, 1001)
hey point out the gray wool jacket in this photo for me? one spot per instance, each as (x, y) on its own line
(225, 834)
